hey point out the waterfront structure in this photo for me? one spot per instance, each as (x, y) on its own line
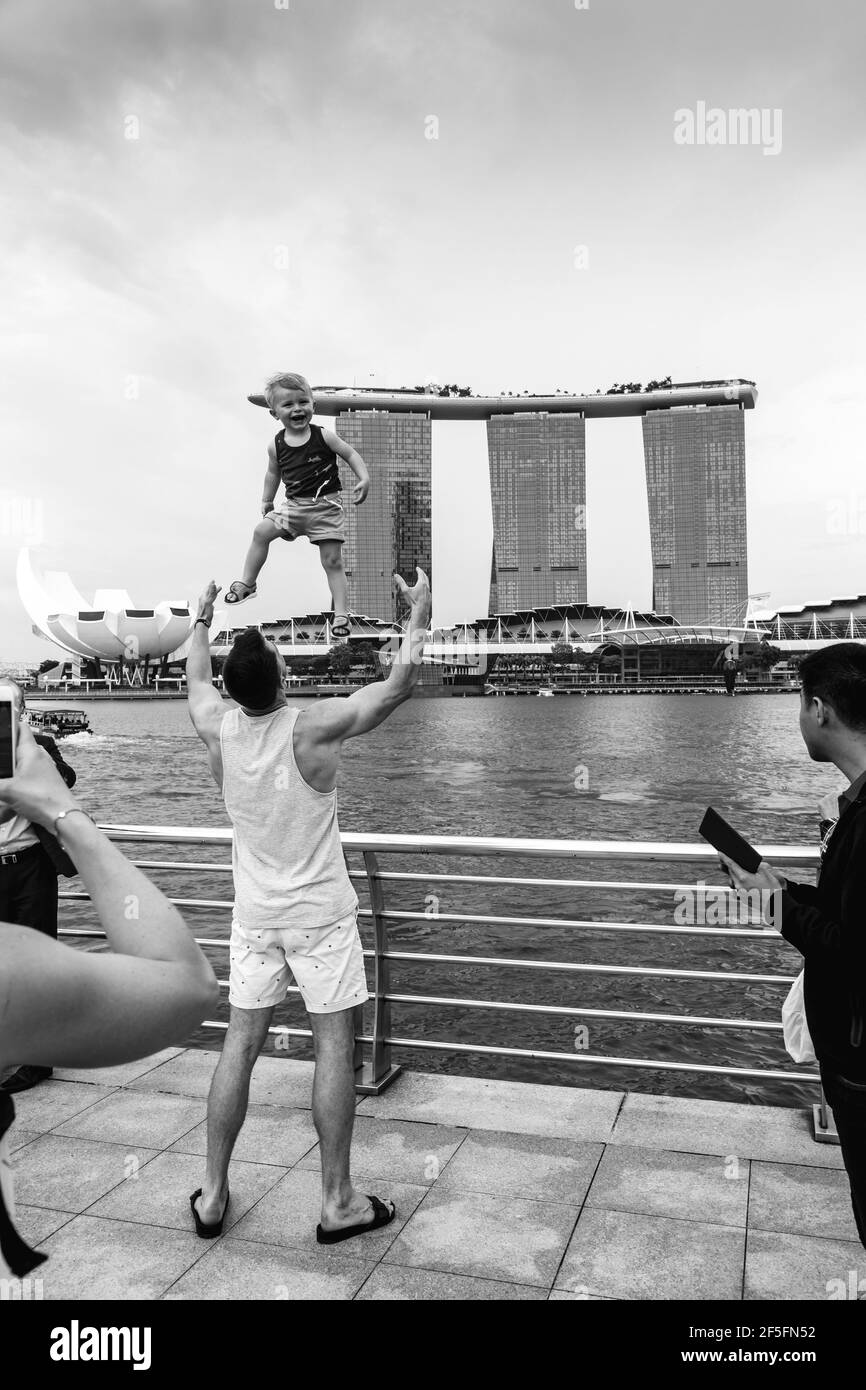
(813, 625)
(643, 644)
(306, 636)
(391, 530)
(537, 468)
(110, 630)
(695, 459)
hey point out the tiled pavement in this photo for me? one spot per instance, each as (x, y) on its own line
(503, 1191)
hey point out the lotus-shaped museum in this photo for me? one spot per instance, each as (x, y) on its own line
(108, 628)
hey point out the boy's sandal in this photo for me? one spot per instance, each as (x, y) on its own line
(239, 592)
(340, 625)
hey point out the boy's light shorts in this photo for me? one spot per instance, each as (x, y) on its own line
(327, 963)
(318, 518)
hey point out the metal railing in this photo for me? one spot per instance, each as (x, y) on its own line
(378, 1070)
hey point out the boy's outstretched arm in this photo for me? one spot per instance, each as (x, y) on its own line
(272, 480)
(353, 459)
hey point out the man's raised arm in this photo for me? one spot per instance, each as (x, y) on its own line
(205, 706)
(337, 719)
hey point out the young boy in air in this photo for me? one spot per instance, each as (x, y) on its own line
(303, 456)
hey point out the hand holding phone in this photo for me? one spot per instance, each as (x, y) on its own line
(8, 730)
(723, 837)
(37, 791)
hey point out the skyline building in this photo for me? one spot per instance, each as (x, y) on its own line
(391, 529)
(695, 462)
(537, 467)
(694, 457)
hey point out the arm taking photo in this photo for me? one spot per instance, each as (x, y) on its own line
(63, 1007)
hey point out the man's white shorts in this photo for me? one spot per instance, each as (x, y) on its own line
(327, 963)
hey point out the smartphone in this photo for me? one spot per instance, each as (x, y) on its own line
(8, 732)
(724, 838)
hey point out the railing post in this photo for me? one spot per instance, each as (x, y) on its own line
(377, 1074)
(823, 1123)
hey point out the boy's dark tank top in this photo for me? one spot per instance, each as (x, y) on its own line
(307, 470)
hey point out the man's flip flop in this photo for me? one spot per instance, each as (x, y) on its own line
(239, 592)
(341, 628)
(382, 1216)
(202, 1228)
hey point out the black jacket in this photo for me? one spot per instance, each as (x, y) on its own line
(58, 856)
(827, 924)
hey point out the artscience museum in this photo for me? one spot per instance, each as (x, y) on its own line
(110, 637)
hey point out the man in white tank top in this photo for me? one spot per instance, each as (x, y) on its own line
(295, 907)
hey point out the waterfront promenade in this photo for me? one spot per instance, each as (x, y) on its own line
(504, 1190)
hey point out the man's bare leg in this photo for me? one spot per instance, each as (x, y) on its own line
(334, 1118)
(227, 1103)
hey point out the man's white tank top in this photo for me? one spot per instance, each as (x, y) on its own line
(288, 863)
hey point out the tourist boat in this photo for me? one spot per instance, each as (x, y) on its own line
(59, 723)
(546, 690)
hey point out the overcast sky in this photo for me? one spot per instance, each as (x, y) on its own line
(281, 205)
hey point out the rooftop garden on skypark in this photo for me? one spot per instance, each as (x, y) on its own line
(435, 388)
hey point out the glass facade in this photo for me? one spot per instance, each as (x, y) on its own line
(538, 488)
(695, 461)
(390, 530)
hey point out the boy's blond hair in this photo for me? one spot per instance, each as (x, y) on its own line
(285, 381)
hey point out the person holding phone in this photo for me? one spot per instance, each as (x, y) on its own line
(827, 922)
(62, 1007)
(30, 857)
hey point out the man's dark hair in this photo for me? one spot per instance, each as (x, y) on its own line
(837, 675)
(250, 673)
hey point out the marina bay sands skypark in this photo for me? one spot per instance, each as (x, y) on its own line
(695, 464)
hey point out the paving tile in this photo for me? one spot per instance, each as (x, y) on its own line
(522, 1165)
(120, 1075)
(477, 1234)
(158, 1194)
(270, 1134)
(719, 1127)
(35, 1224)
(559, 1112)
(289, 1213)
(18, 1137)
(657, 1183)
(394, 1149)
(625, 1255)
(189, 1074)
(401, 1283)
(70, 1174)
(275, 1080)
(782, 1266)
(801, 1201)
(566, 1296)
(52, 1103)
(281, 1081)
(92, 1258)
(244, 1269)
(131, 1118)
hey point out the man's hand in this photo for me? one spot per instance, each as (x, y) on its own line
(420, 591)
(766, 882)
(207, 600)
(362, 487)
